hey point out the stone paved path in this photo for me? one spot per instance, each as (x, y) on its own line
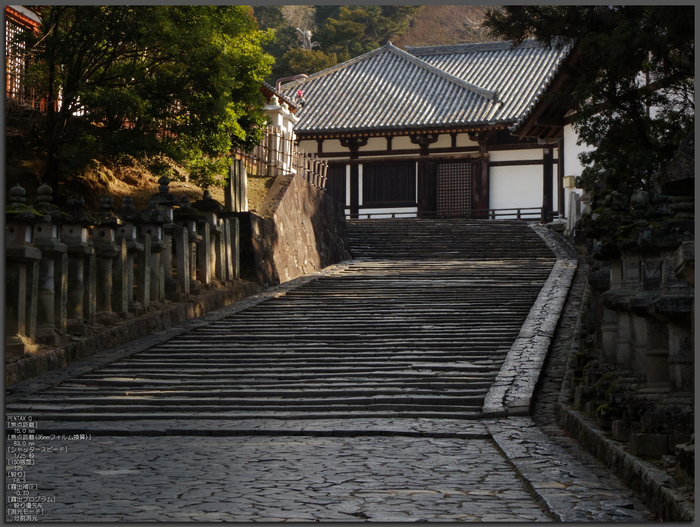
(163, 457)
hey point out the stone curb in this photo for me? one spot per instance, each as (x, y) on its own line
(42, 371)
(512, 392)
(653, 484)
(556, 480)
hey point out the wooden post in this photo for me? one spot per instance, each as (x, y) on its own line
(547, 193)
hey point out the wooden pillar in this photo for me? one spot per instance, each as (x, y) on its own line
(561, 205)
(547, 191)
(354, 144)
(354, 190)
(427, 188)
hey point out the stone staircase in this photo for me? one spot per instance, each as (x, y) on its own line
(423, 336)
(435, 239)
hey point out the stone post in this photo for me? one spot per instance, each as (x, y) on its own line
(53, 272)
(107, 249)
(21, 274)
(143, 278)
(608, 328)
(165, 202)
(128, 231)
(81, 267)
(153, 221)
(188, 219)
(236, 193)
(680, 358)
(231, 246)
(182, 261)
(638, 325)
(657, 355)
(211, 209)
(122, 279)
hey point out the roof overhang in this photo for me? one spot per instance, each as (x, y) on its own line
(433, 130)
(268, 91)
(554, 108)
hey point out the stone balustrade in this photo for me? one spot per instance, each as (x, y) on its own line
(71, 270)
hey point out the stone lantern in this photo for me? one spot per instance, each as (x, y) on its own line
(21, 273)
(211, 258)
(82, 280)
(53, 271)
(106, 250)
(188, 240)
(138, 255)
(165, 201)
(153, 220)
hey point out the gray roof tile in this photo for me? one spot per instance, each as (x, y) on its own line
(461, 85)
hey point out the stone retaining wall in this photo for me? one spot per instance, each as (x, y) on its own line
(300, 229)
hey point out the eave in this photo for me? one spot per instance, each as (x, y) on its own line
(432, 130)
(548, 117)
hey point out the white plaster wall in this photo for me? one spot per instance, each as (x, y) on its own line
(444, 141)
(572, 165)
(333, 145)
(516, 155)
(403, 143)
(463, 140)
(373, 143)
(515, 187)
(309, 146)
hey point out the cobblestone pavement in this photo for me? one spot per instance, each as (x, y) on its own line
(283, 478)
(316, 470)
(376, 469)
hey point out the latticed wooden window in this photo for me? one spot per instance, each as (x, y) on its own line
(15, 59)
(454, 187)
(389, 183)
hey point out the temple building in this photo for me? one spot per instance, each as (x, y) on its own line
(430, 131)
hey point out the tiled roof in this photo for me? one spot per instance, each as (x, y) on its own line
(462, 85)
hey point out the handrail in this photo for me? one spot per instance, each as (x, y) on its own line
(521, 213)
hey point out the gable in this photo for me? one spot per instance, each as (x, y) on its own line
(446, 86)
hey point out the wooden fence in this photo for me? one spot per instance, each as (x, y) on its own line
(278, 154)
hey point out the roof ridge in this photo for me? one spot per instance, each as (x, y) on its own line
(389, 47)
(489, 94)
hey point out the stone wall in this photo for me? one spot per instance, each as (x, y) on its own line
(634, 370)
(300, 229)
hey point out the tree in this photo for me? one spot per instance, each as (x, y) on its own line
(341, 32)
(148, 79)
(634, 91)
(360, 29)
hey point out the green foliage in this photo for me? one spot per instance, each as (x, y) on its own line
(343, 32)
(359, 29)
(146, 79)
(309, 61)
(634, 92)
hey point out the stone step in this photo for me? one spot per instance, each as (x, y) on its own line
(336, 413)
(409, 336)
